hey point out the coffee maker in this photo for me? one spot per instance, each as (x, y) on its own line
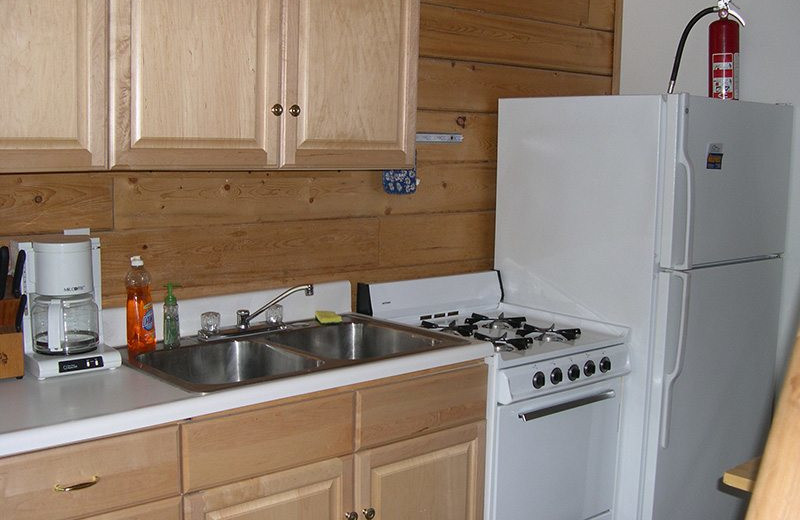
(62, 328)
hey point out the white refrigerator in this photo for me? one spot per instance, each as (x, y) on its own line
(667, 214)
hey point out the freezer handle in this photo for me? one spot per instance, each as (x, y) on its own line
(669, 379)
(684, 169)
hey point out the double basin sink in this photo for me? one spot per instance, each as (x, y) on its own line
(299, 348)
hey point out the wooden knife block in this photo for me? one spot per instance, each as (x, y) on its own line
(11, 350)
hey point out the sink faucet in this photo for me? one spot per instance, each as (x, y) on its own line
(244, 317)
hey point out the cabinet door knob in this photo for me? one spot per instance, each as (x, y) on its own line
(294, 110)
(351, 515)
(277, 109)
(369, 513)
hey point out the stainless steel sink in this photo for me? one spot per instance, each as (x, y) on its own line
(356, 340)
(301, 347)
(223, 364)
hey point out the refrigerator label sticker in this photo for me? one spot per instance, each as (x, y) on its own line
(714, 156)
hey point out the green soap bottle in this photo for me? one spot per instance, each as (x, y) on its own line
(172, 328)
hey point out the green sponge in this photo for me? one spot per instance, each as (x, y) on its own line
(327, 317)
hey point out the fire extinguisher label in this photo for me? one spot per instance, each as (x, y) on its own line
(725, 75)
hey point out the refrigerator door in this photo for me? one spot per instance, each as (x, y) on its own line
(712, 395)
(725, 191)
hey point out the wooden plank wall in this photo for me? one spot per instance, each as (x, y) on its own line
(225, 232)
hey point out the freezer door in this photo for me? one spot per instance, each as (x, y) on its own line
(716, 353)
(726, 181)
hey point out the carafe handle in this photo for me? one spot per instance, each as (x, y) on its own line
(55, 325)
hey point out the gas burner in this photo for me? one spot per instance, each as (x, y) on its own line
(500, 322)
(463, 330)
(505, 344)
(550, 333)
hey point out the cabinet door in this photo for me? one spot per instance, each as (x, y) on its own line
(52, 85)
(321, 491)
(435, 476)
(352, 72)
(191, 83)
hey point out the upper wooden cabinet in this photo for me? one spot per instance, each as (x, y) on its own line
(52, 85)
(351, 70)
(258, 84)
(190, 81)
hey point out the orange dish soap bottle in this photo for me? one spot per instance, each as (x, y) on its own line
(140, 318)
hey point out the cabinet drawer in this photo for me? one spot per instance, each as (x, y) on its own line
(130, 469)
(169, 509)
(405, 409)
(225, 449)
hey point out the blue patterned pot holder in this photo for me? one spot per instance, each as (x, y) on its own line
(400, 182)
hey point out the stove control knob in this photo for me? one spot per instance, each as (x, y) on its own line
(573, 372)
(605, 364)
(556, 376)
(589, 368)
(538, 380)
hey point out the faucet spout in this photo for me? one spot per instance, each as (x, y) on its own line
(244, 317)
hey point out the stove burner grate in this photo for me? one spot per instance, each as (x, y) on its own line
(550, 333)
(500, 322)
(465, 330)
(505, 343)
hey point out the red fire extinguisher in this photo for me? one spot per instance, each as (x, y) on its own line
(723, 58)
(723, 51)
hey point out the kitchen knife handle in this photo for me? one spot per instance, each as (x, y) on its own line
(3, 270)
(16, 284)
(23, 301)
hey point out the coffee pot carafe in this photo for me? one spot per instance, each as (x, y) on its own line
(64, 325)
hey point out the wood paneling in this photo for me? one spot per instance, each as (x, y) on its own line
(597, 14)
(473, 86)
(149, 201)
(475, 36)
(445, 237)
(50, 203)
(479, 132)
(234, 258)
(223, 232)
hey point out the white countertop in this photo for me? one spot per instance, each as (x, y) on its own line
(41, 414)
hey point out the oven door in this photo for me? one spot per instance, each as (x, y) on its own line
(555, 456)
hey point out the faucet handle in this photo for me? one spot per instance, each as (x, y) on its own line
(242, 316)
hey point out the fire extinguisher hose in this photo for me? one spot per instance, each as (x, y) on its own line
(677, 63)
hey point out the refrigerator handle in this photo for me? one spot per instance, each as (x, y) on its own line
(683, 207)
(669, 378)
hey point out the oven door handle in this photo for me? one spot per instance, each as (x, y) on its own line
(569, 405)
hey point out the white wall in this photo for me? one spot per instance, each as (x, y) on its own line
(770, 72)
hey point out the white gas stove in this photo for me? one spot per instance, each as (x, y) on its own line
(554, 391)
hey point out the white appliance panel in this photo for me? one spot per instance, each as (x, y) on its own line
(728, 183)
(576, 188)
(559, 466)
(715, 386)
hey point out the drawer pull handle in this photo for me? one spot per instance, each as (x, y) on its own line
(76, 487)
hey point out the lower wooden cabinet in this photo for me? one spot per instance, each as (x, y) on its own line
(434, 476)
(319, 491)
(169, 509)
(401, 448)
(92, 477)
